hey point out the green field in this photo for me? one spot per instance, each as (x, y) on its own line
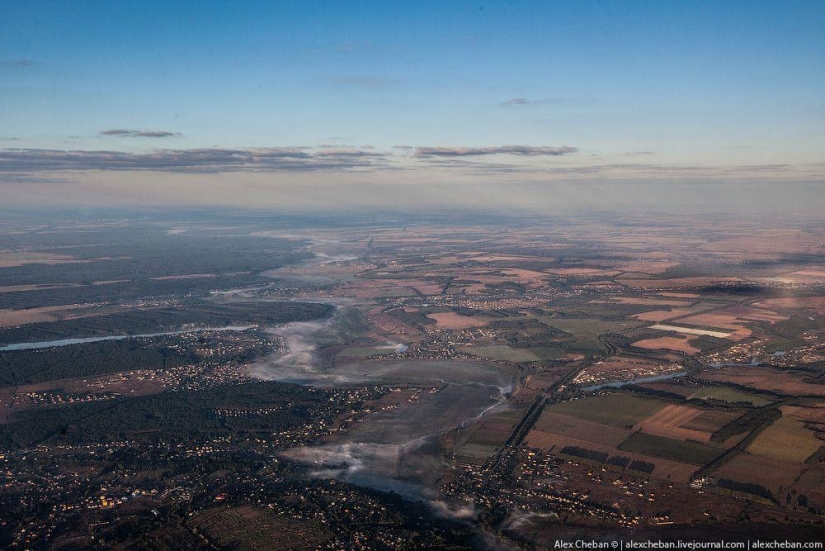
(589, 328)
(786, 440)
(729, 395)
(366, 351)
(682, 451)
(502, 353)
(549, 352)
(617, 410)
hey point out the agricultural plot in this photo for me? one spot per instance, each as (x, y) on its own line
(477, 443)
(451, 320)
(616, 410)
(689, 330)
(581, 429)
(775, 476)
(589, 327)
(549, 352)
(711, 420)
(729, 395)
(663, 315)
(252, 528)
(674, 422)
(787, 440)
(788, 383)
(608, 455)
(679, 344)
(680, 451)
(816, 304)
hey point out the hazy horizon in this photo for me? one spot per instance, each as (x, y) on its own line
(567, 107)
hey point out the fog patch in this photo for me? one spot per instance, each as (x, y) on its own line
(519, 519)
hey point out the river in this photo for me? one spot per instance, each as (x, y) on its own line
(69, 342)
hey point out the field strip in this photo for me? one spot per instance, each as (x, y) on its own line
(690, 331)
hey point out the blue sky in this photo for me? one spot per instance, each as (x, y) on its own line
(660, 90)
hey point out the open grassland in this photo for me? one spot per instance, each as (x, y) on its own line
(680, 451)
(786, 440)
(721, 393)
(729, 395)
(617, 410)
(662, 315)
(367, 351)
(588, 327)
(549, 352)
(502, 353)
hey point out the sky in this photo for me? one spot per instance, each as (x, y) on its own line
(320, 105)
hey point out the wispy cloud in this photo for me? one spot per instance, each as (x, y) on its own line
(518, 101)
(350, 153)
(17, 62)
(126, 133)
(522, 150)
(189, 160)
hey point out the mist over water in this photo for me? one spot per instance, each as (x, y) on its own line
(395, 449)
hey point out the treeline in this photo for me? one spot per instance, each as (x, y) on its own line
(749, 422)
(87, 360)
(175, 416)
(746, 488)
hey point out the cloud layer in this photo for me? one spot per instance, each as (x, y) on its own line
(125, 133)
(523, 150)
(188, 160)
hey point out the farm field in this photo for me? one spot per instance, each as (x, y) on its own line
(690, 330)
(679, 344)
(607, 455)
(616, 410)
(786, 440)
(775, 476)
(730, 395)
(772, 380)
(675, 422)
(451, 320)
(588, 328)
(578, 428)
(502, 353)
(681, 451)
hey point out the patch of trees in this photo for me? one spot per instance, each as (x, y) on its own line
(746, 488)
(87, 360)
(752, 420)
(642, 466)
(592, 455)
